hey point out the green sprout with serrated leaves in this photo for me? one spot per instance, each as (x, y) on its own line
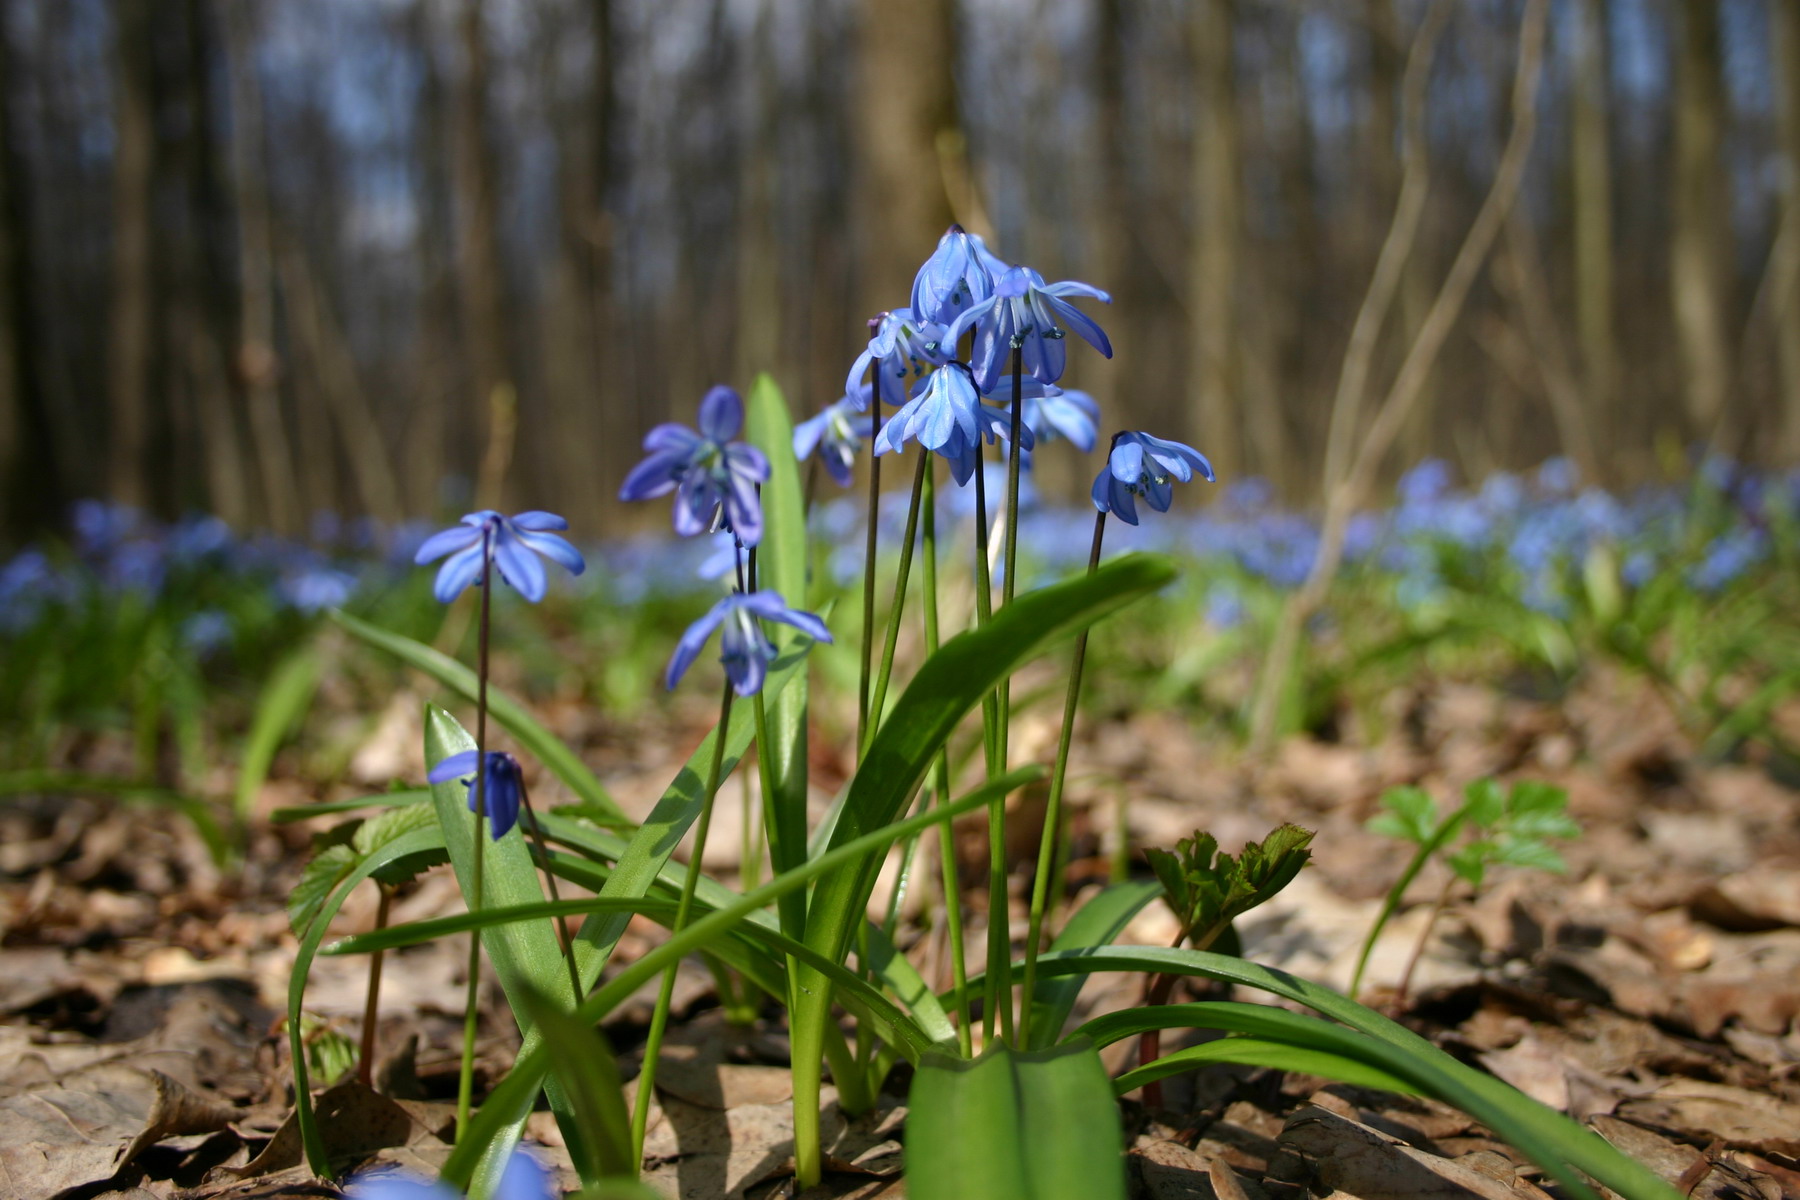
(1207, 890)
(1512, 826)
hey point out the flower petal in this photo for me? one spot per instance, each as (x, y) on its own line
(537, 521)
(458, 766)
(458, 572)
(688, 648)
(556, 549)
(520, 567)
(721, 414)
(439, 544)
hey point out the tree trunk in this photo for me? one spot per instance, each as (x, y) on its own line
(1785, 302)
(128, 342)
(904, 99)
(1697, 248)
(482, 284)
(257, 362)
(1591, 150)
(1213, 328)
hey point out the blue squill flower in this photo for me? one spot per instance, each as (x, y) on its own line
(1023, 312)
(959, 273)
(744, 648)
(724, 559)
(907, 348)
(1141, 465)
(524, 1178)
(711, 475)
(505, 785)
(513, 544)
(1057, 413)
(310, 586)
(947, 404)
(837, 433)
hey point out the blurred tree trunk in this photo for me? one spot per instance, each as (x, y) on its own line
(1213, 332)
(436, 403)
(1786, 300)
(905, 97)
(479, 269)
(129, 315)
(759, 329)
(1697, 245)
(30, 491)
(1591, 150)
(1387, 55)
(257, 362)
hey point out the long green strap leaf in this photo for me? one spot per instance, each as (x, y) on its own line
(781, 565)
(1260, 1052)
(1548, 1138)
(543, 745)
(284, 700)
(1037, 1125)
(1096, 923)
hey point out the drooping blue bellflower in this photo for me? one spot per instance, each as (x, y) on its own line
(1058, 413)
(1023, 312)
(505, 785)
(959, 273)
(744, 647)
(945, 405)
(1141, 465)
(712, 476)
(907, 348)
(513, 544)
(837, 433)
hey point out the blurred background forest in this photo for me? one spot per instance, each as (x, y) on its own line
(271, 257)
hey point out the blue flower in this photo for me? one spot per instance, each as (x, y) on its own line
(509, 541)
(1023, 312)
(724, 559)
(1055, 413)
(505, 785)
(1428, 481)
(947, 404)
(744, 648)
(710, 474)
(959, 273)
(838, 432)
(1141, 465)
(906, 347)
(525, 1178)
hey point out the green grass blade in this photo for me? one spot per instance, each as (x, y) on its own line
(1039, 1125)
(1548, 1138)
(1097, 923)
(781, 565)
(512, 1098)
(1259, 1052)
(284, 700)
(543, 745)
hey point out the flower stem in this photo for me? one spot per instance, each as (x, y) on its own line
(365, 1062)
(999, 972)
(562, 931)
(879, 701)
(465, 1083)
(659, 1016)
(868, 631)
(1040, 884)
(940, 781)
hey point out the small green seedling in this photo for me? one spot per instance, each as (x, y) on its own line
(1207, 890)
(1513, 827)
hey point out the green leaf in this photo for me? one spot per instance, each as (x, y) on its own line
(1555, 1143)
(1530, 853)
(1411, 815)
(322, 874)
(1484, 803)
(510, 1102)
(1259, 1052)
(1470, 862)
(527, 958)
(543, 745)
(1039, 1125)
(284, 700)
(781, 565)
(419, 841)
(395, 823)
(1095, 923)
(590, 1078)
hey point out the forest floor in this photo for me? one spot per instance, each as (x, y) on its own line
(1652, 992)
